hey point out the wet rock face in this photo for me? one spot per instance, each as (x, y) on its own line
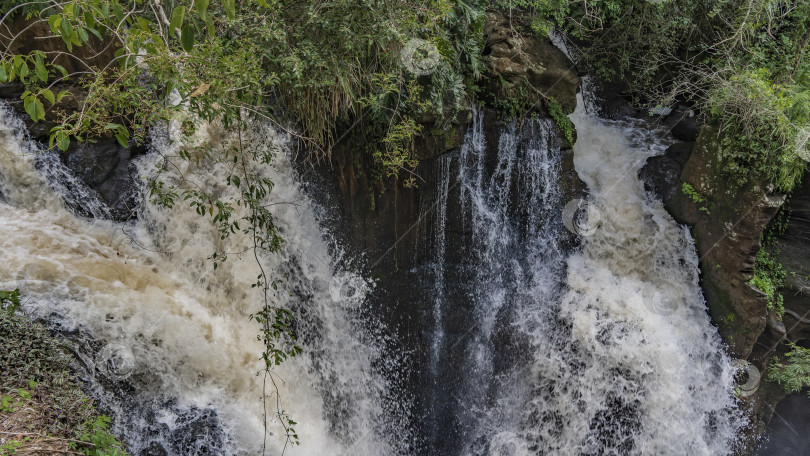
(794, 254)
(106, 167)
(662, 174)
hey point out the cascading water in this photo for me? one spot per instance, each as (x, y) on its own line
(533, 348)
(605, 349)
(166, 339)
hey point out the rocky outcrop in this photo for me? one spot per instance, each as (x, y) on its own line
(662, 174)
(519, 59)
(727, 227)
(101, 164)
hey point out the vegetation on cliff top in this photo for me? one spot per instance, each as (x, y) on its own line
(743, 63)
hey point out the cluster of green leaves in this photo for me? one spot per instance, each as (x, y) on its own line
(794, 374)
(760, 122)
(96, 439)
(695, 196)
(769, 277)
(37, 366)
(310, 63)
(563, 122)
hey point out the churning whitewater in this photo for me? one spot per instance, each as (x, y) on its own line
(166, 341)
(601, 349)
(608, 346)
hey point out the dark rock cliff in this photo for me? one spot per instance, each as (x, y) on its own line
(728, 226)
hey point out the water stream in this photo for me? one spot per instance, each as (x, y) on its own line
(534, 347)
(144, 299)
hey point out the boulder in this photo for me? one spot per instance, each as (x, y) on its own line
(514, 55)
(687, 129)
(662, 174)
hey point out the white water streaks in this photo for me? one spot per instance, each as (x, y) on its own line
(639, 369)
(178, 350)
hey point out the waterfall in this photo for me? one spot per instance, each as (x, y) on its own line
(165, 339)
(531, 346)
(506, 258)
(633, 365)
(603, 349)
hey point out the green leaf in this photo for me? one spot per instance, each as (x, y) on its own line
(177, 18)
(3, 75)
(65, 29)
(62, 141)
(40, 71)
(40, 110)
(23, 70)
(121, 140)
(263, 3)
(209, 24)
(61, 95)
(230, 8)
(49, 96)
(119, 13)
(61, 69)
(94, 32)
(30, 107)
(187, 38)
(202, 7)
(83, 36)
(54, 22)
(143, 24)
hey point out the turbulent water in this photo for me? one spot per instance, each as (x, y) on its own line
(604, 349)
(166, 340)
(535, 346)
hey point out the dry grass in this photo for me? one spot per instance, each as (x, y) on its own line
(23, 430)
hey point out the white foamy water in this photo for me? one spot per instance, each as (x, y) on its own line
(148, 289)
(603, 349)
(633, 365)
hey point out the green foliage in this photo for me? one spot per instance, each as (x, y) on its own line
(37, 367)
(96, 439)
(769, 276)
(563, 122)
(305, 62)
(514, 100)
(695, 196)
(10, 300)
(10, 447)
(760, 121)
(794, 374)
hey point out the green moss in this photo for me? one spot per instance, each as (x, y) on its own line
(695, 196)
(561, 119)
(769, 276)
